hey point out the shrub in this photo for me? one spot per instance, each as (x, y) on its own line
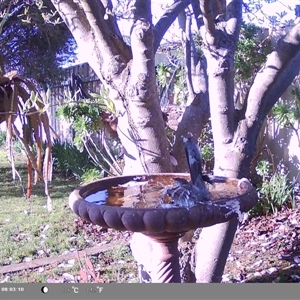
(68, 160)
(91, 175)
(2, 138)
(275, 191)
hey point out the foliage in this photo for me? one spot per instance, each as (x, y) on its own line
(87, 269)
(287, 115)
(91, 118)
(275, 191)
(69, 161)
(171, 76)
(163, 74)
(251, 53)
(171, 81)
(207, 148)
(2, 138)
(84, 115)
(91, 175)
(19, 100)
(33, 40)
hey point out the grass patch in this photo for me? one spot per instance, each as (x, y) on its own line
(28, 231)
(114, 266)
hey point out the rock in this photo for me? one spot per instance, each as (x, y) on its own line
(271, 270)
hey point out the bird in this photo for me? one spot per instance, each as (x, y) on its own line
(185, 193)
(194, 160)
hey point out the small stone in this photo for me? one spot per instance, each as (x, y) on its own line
(27, 259)
(239, 251)
(263, 272)
(5, 279)
(294, 222)
(71, 262)
(281, 228)
(40, 252)
(296, 259)
(225, 278)
(238, 264)
(257, 264)
(271, 270)
(68, 277)
(41, 269)
(295, 277)
(46, 228)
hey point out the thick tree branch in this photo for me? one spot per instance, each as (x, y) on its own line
(77, 22)
(142, 9)
(197, 12)
(208, 16)
(186, 40)
(166, 21)
(94, 38)
(74, 17)
(109, 17)
(234, 18)
(141, 99)
(114, 28)
(142, 39)
(95, 12)
(278, 72)
(284, 81)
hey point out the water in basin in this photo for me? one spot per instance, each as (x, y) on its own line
(152, 193)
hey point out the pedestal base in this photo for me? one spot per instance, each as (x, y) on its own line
(157, 257)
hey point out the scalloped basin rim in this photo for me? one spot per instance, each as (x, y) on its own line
(158, 220)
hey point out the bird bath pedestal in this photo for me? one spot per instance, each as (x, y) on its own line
(127, 203)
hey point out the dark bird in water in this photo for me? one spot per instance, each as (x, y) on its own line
(186, 193)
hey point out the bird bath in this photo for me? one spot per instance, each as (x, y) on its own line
(135, 203)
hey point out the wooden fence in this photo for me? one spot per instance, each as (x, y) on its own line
(59, 94)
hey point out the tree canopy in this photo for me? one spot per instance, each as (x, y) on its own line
(33, 40)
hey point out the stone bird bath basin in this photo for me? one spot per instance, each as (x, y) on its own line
(134, 203)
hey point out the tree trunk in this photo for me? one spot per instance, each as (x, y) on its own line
(211, 261)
